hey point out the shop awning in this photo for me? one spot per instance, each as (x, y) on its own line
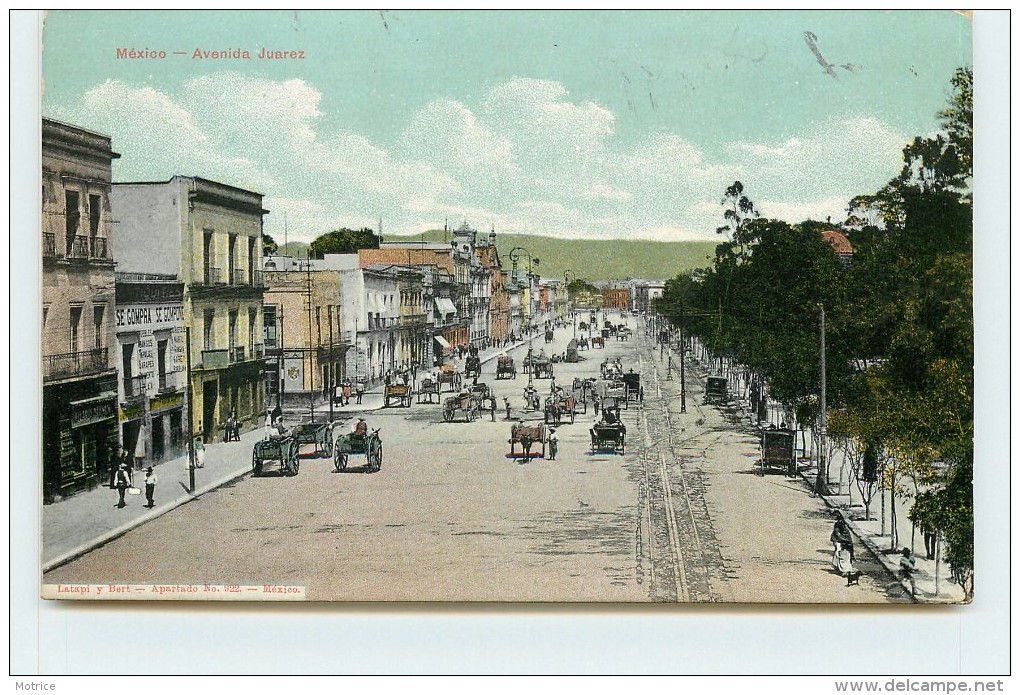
(445, 306)
(443, 342)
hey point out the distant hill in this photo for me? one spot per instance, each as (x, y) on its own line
(295, 249)
(596, 260)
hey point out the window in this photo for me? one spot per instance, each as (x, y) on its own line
(127, 361)
(232, 340)
(231, 259)
(161, 346)
(252, 317)
(97, 323)
(269, 325)
(207, 251)
(95, 212)
(75, 327)
(251, 260)
(72, 218)
(207, 330)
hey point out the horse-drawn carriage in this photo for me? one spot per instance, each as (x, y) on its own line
(282, 450)
(527, 436)
(481, 391)
(560, 406)
(624, 332)
(320, 434)
(777, 451)
(472, 367)
(448, 375)
(583, 344)
(635, 392)
(505, 367)
(466, 403)
(716, 390)
(401, 393)
(611, 369)
(369, 445)
(608, 437)
(543, 367)
(427, 389)
(598, 342)
(549, 336)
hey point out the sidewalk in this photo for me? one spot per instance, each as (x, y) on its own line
(869, 533)
(76, 525)
(88, 520)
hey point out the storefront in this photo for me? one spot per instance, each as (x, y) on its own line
(84, 436)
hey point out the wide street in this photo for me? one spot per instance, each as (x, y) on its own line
(681, 516)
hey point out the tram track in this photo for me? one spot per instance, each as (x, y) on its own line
(687, 563)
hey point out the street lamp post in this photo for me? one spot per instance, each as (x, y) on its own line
(572, 278)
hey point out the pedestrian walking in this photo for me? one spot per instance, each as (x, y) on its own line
(492, 407)
(122, 484)
(345, 392)
(908, 566)
(150, 487)
(115, 461)
(228, 428)
(506, 404)
(269, 424)
(359, 390)
(199, 447)
(553, 444)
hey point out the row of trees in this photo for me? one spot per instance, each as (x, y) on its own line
(899, 324)
(341, 240)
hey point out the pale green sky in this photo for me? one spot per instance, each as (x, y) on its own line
(571, 123)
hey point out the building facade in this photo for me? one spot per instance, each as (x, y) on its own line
(79, 419)
(151, 354)
(305, 350)
(210, 235)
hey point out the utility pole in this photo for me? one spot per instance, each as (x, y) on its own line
(822, 479)
(683, 375)
(281, 362)
(191, 431)
(332, 380)
(311, 349)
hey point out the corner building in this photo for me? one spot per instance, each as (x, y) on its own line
(209, 235)
(79, 377)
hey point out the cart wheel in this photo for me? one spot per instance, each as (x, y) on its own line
(448, 415)
(340, 461)
(256, 467)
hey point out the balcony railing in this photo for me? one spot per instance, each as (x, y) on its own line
(134, 388)
(99, 247)
(75, 363)
(237, 354)
(212, 276)
(79, 247)
(49, 245)
(257, 351)
(239, 276)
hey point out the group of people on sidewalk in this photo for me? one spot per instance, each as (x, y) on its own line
(124, 483)
(843, 557)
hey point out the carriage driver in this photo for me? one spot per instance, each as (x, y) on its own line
(359, 430)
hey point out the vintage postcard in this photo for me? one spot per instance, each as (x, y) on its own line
(575, 307)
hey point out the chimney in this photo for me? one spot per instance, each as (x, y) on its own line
(492, 236)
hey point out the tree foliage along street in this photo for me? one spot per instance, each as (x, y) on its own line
(343, 240)
(899, 319)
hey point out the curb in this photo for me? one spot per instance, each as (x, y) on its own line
(105, 538)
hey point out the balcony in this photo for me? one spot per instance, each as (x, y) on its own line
(238, 276)
(79, 247)
(134, 388)
(169, 382)
(99, 248)
(237, 354)
(49, 245)
(212, 276)
(257, 351)
(215, 359)
(72, 364)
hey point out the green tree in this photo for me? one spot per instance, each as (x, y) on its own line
(269, 247)
(343, 240)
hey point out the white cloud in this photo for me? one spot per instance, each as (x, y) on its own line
(528, 158)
